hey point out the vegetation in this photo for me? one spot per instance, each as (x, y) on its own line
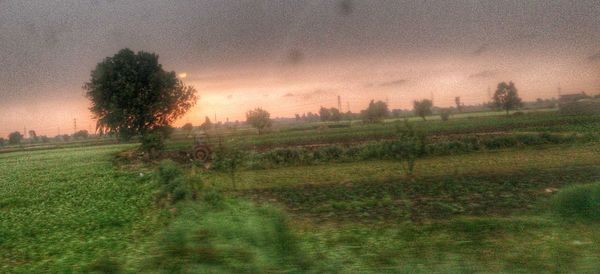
(376, 112)
(132, 94)
(506, 97)
(482, 193)
(423, 108)
(15, 138)
(260, 119)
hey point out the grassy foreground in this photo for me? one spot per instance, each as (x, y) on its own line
(62, 209)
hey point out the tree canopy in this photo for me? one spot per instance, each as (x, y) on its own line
(422, 108)
(15, 138)
(259, 118)
(507, 97)
(375, 112)
(132, 94)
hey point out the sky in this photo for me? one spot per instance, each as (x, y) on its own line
(294, 56)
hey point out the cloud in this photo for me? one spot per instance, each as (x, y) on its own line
(310, 94)
(484, 74)
(229, 96)
(595, 57)
(481, 49)
(394, 83)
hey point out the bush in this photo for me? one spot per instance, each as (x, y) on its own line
(445, 114)
(239, 237)
(581, 202)
(152, 143)
(174, 186)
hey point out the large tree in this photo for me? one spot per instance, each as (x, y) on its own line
(132, 94)
(259, 118)
(423, 108)
(506, 97)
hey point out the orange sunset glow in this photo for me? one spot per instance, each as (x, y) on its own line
(304, 59)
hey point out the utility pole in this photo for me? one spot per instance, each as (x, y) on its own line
(74, 125)
(24, 132)
(348, 106)
(339, 103)
(489, 91)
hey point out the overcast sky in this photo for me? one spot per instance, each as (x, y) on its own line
(294, 56)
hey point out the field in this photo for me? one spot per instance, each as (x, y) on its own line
(503, 206)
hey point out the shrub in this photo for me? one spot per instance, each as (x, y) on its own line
(174, 186)
(152, 143)
(445, 114)
(581, 202)
(238, 237)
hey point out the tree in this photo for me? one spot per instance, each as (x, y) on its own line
(445, 114)
(458, 103)
(324, 114)
(2, 142)
(422, 108)
(188, 127)
(15, 138)
(82, 134)
(259, 118)
(408, 147)
(33, 136)
(335, 114)
(132, 94)
(207, 124)
(375, 112)
(506, 97)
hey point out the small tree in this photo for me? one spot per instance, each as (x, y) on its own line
(33, 136)
(506, 97)
(2, 142)
(207, 124)
(82, 134)
(259, 118)
(445, 114)
(188, 127)
(422, 108)
(408, 147)
(458, 103)
(229, 160)
(15, 138)
(375, 112)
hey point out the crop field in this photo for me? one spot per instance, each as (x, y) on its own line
(510, 202)
(62, 209)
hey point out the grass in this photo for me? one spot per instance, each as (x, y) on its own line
(533, 122)
(62, 209)
(495, 162)
(578, 203)
(74, 210)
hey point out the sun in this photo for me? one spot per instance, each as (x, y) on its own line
(182, 75)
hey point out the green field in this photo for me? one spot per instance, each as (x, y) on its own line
(486, 210)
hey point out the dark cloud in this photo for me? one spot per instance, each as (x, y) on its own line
(47, 48)
(310, 94)
(289, 94)
(484, 74)
(394, 83)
